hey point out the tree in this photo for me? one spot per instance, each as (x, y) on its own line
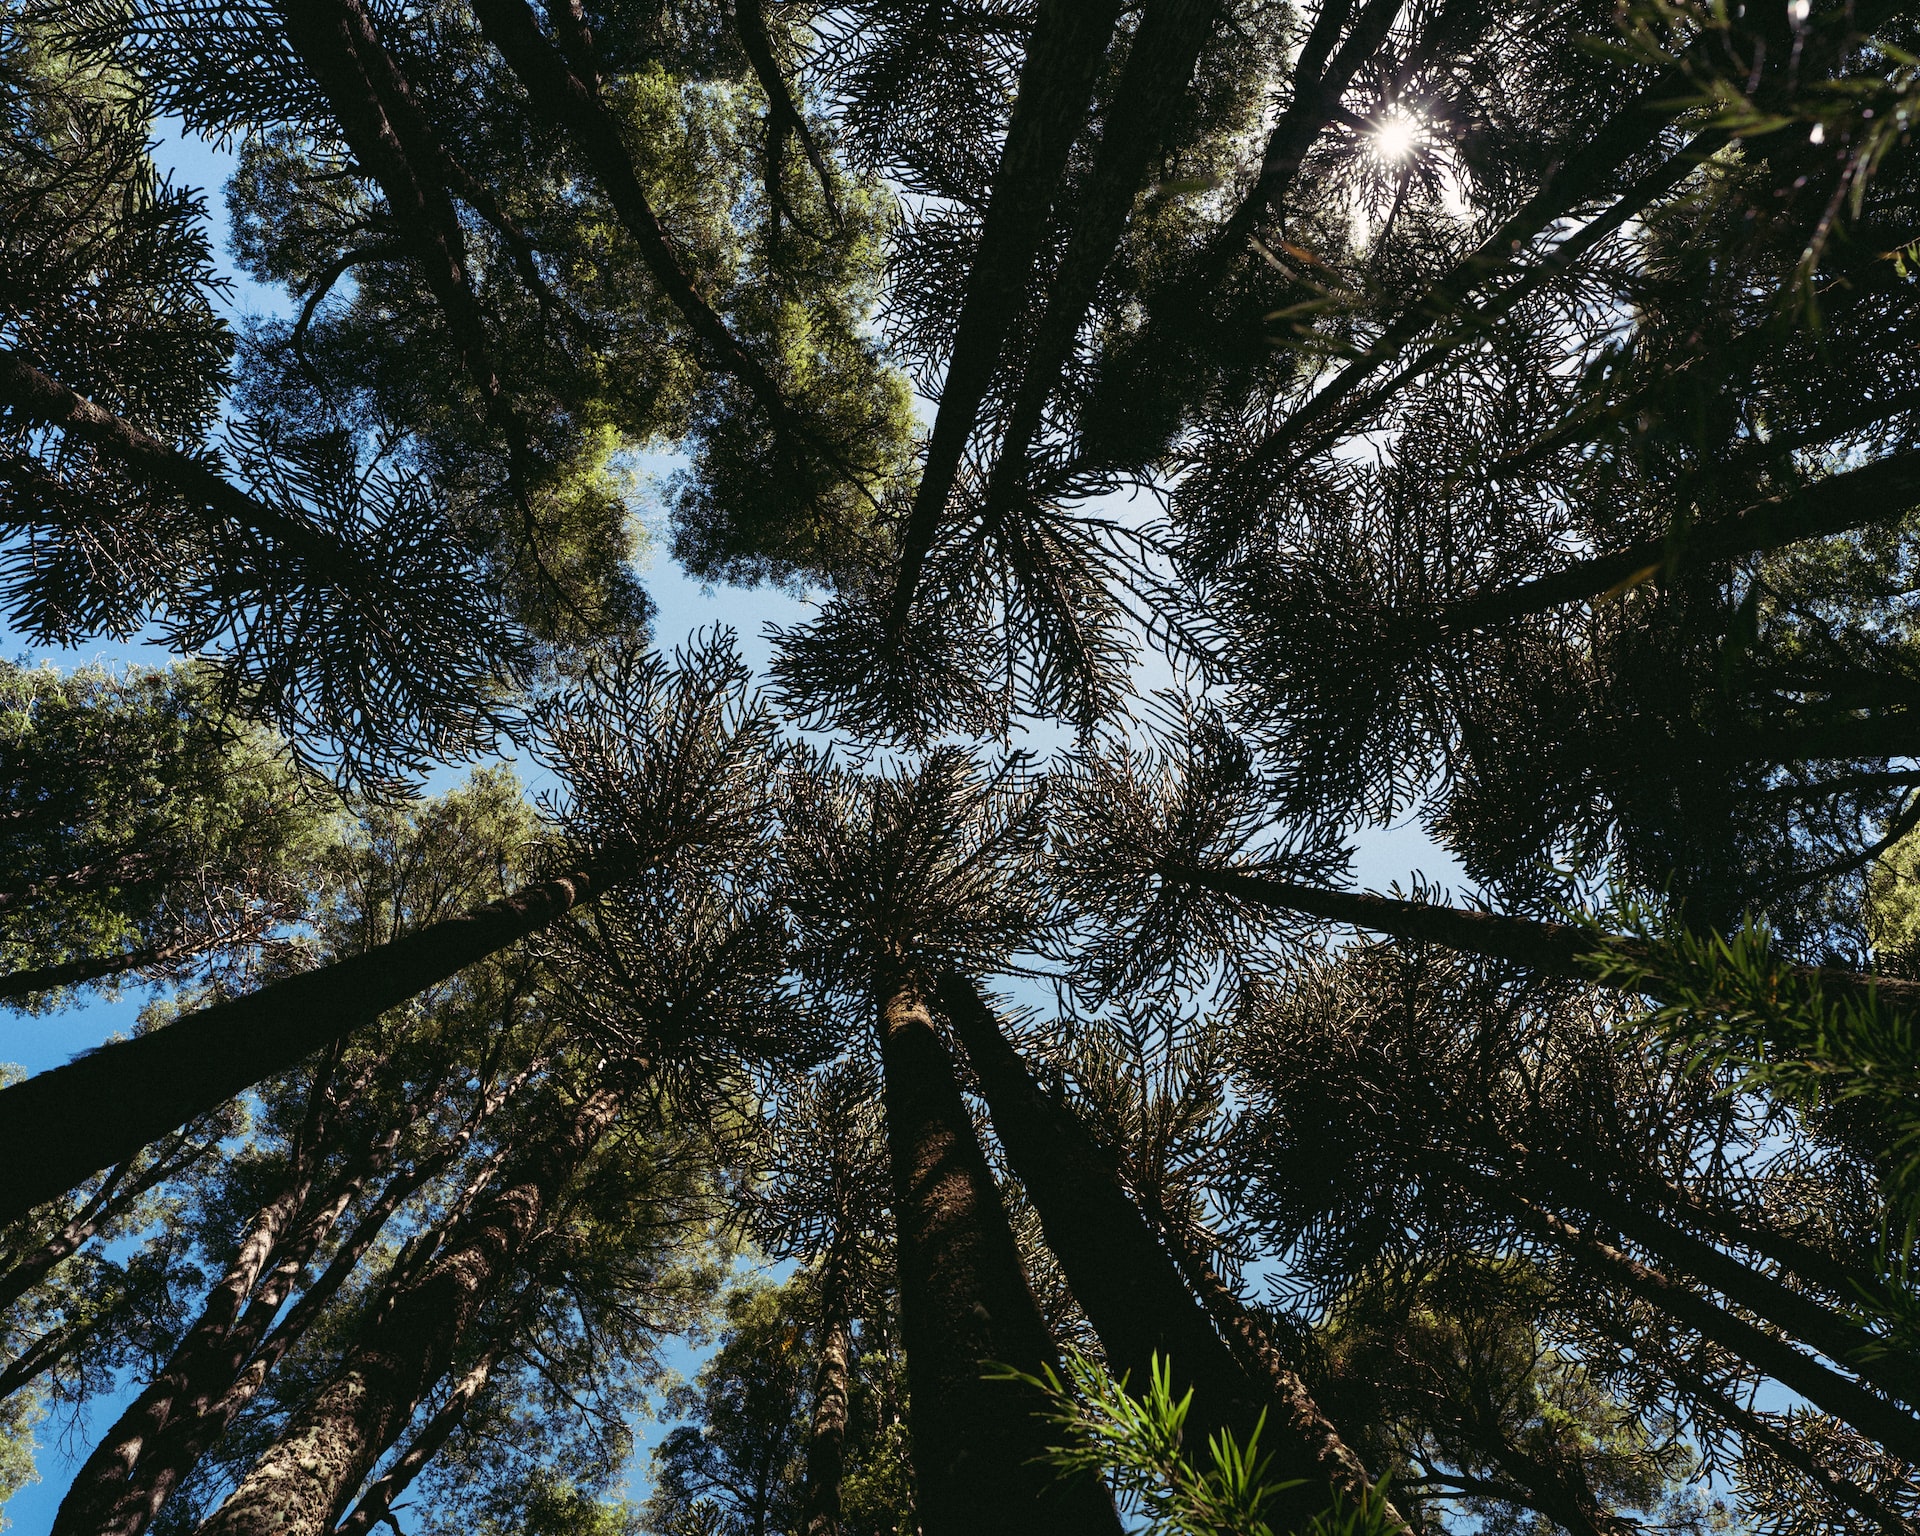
(742, 1461)
(894, 878)
(147, 833)
(667, 759)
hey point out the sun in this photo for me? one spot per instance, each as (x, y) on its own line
(1396, 135)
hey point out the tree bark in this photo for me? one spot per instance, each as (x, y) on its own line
(1128, 1285)
(1875, 1417)
(1065, 53)
(302, 1483)
(60, 1126)
(964, 1302)
(1558, 949)
(376, 1504)
(827, 1430)
(1292, 1405)
(1159, 69)
(1874, 493)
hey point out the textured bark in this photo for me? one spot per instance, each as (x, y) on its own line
(1065, 53)
(63, 1125)
(107, 1496)
(827, 1430)
(225, 1360)
(376, 1503)
(1294, 1414)
(301, 1485)
(1129, 1286)
(1873, 1416)
(1559, 949)
(964, 1302)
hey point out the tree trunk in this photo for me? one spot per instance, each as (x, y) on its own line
(303, 1482)
(1856, 498)
(827, 1432)
(1297, 1415)
(376, 1503)
(1558, 949)
(109, 1495)
(60, 1126)
(1125, 1281)
(1871, 1357)
(108, 1204)
(1874, 1417)
(219, 1367)
(1065, 53)
(964, 1303)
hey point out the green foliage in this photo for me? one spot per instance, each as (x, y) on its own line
(1135, 1443)
(144, 825)
(738, 1464)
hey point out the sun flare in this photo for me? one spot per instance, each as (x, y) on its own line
(1397, 135)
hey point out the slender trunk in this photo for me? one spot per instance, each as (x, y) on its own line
(34, 396)
(1159, 69)
(1856, 498)
(303, 1482)
(1127, 1284)
(89, 1508)
(965, 1303)
(1563, 1495)
(827, 1431)
(109, 1203)
(1751, 1426)
(389, 135)
(376, 1504)
(1875, 1417)
(60, 1126)
(560, 93)
(1873, 1358)
(1065, 53)
(1558, 949)
(43, 1354)
(78, 973)
(216, 1372)
(1294, 1412)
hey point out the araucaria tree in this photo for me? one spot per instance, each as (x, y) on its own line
(1282, 421)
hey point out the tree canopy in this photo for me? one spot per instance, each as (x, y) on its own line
(1205, 434)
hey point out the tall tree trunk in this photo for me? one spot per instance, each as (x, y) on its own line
(827, 1429)
(1559, 949)
(376, 1504)
(1127, 1283)
(201, 1365)
(1848, 1401)
(964, 1302)
(108, 1204)
(60, 1126)
(1298, 1416)
(1871, 1357)
(225, 1360)
(303, 1482)
(1065, 53)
